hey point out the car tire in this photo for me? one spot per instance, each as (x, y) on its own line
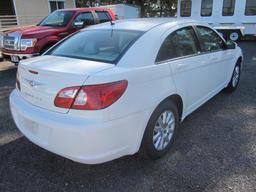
(234, 81)
(165, 132)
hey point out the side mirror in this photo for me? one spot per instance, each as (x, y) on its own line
(78, 24)
(231, 44)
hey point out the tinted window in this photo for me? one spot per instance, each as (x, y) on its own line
(57, 19)
(178, 44)
(206, 8)
(209, 39)
(97, 45)
(250, 8)
(185, 8)
(103, 16)
(228, 7)
(86, 17)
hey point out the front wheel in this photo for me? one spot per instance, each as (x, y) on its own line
(233, 84)
(161, 130)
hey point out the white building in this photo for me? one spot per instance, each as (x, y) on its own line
(27, 12)
(232, 17)
(124, 11)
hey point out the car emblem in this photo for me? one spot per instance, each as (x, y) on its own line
(33, 83)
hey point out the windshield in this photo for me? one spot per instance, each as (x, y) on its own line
(97, 45)
(57, 19)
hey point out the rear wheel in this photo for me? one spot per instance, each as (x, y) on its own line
(233, 84)
(161, 130)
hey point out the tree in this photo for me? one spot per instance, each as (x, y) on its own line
(149, 8)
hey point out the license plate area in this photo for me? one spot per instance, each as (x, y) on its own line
(15, 58)
(30, 126)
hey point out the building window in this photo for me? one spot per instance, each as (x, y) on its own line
(250, 8)
(185, 8)
(206, 8)
(228, 7)
(55, 5)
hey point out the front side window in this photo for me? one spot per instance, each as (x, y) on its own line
(178, 44)
(209, 39)
(185, 8)
(103, 16)
(55, 5)
(228, 7)
(85, 17)
(250, 7)
(206, 8)
(57, 19)
(97, 45)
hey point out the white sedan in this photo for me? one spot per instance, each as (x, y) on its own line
(117, 88)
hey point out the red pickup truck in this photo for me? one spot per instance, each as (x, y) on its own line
(32, 41)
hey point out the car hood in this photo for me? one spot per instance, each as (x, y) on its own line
(37, 31)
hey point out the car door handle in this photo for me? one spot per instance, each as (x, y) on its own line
(181, 66)
(214, 59)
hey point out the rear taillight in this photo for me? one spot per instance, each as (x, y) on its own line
(90, 97)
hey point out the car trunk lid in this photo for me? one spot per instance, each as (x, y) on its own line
(43, 77)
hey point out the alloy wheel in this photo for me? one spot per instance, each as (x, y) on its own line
(163, 130)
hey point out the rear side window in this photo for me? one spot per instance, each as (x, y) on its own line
(103, 16)
(209, 39)
(97, 45)
(228, 7)
(178, 44)
(85, 17)
(185, 8)
(206, 8)
(250, 7)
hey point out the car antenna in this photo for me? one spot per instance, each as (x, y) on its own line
(112, 23)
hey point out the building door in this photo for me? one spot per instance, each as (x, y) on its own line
(7, 14)
(6, 7)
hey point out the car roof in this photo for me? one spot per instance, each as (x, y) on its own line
(85, 9)
(140, 24)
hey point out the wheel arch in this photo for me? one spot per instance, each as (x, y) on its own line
(177, 99)
(240, 61)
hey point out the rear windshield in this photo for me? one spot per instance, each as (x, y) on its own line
(97, 45)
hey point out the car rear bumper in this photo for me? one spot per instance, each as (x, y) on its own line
(79, 139)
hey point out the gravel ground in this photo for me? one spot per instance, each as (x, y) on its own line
(215, 151)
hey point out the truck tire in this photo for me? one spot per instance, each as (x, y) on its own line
(234, 36)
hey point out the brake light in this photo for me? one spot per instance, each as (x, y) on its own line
(66, 97)
(91, 97)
